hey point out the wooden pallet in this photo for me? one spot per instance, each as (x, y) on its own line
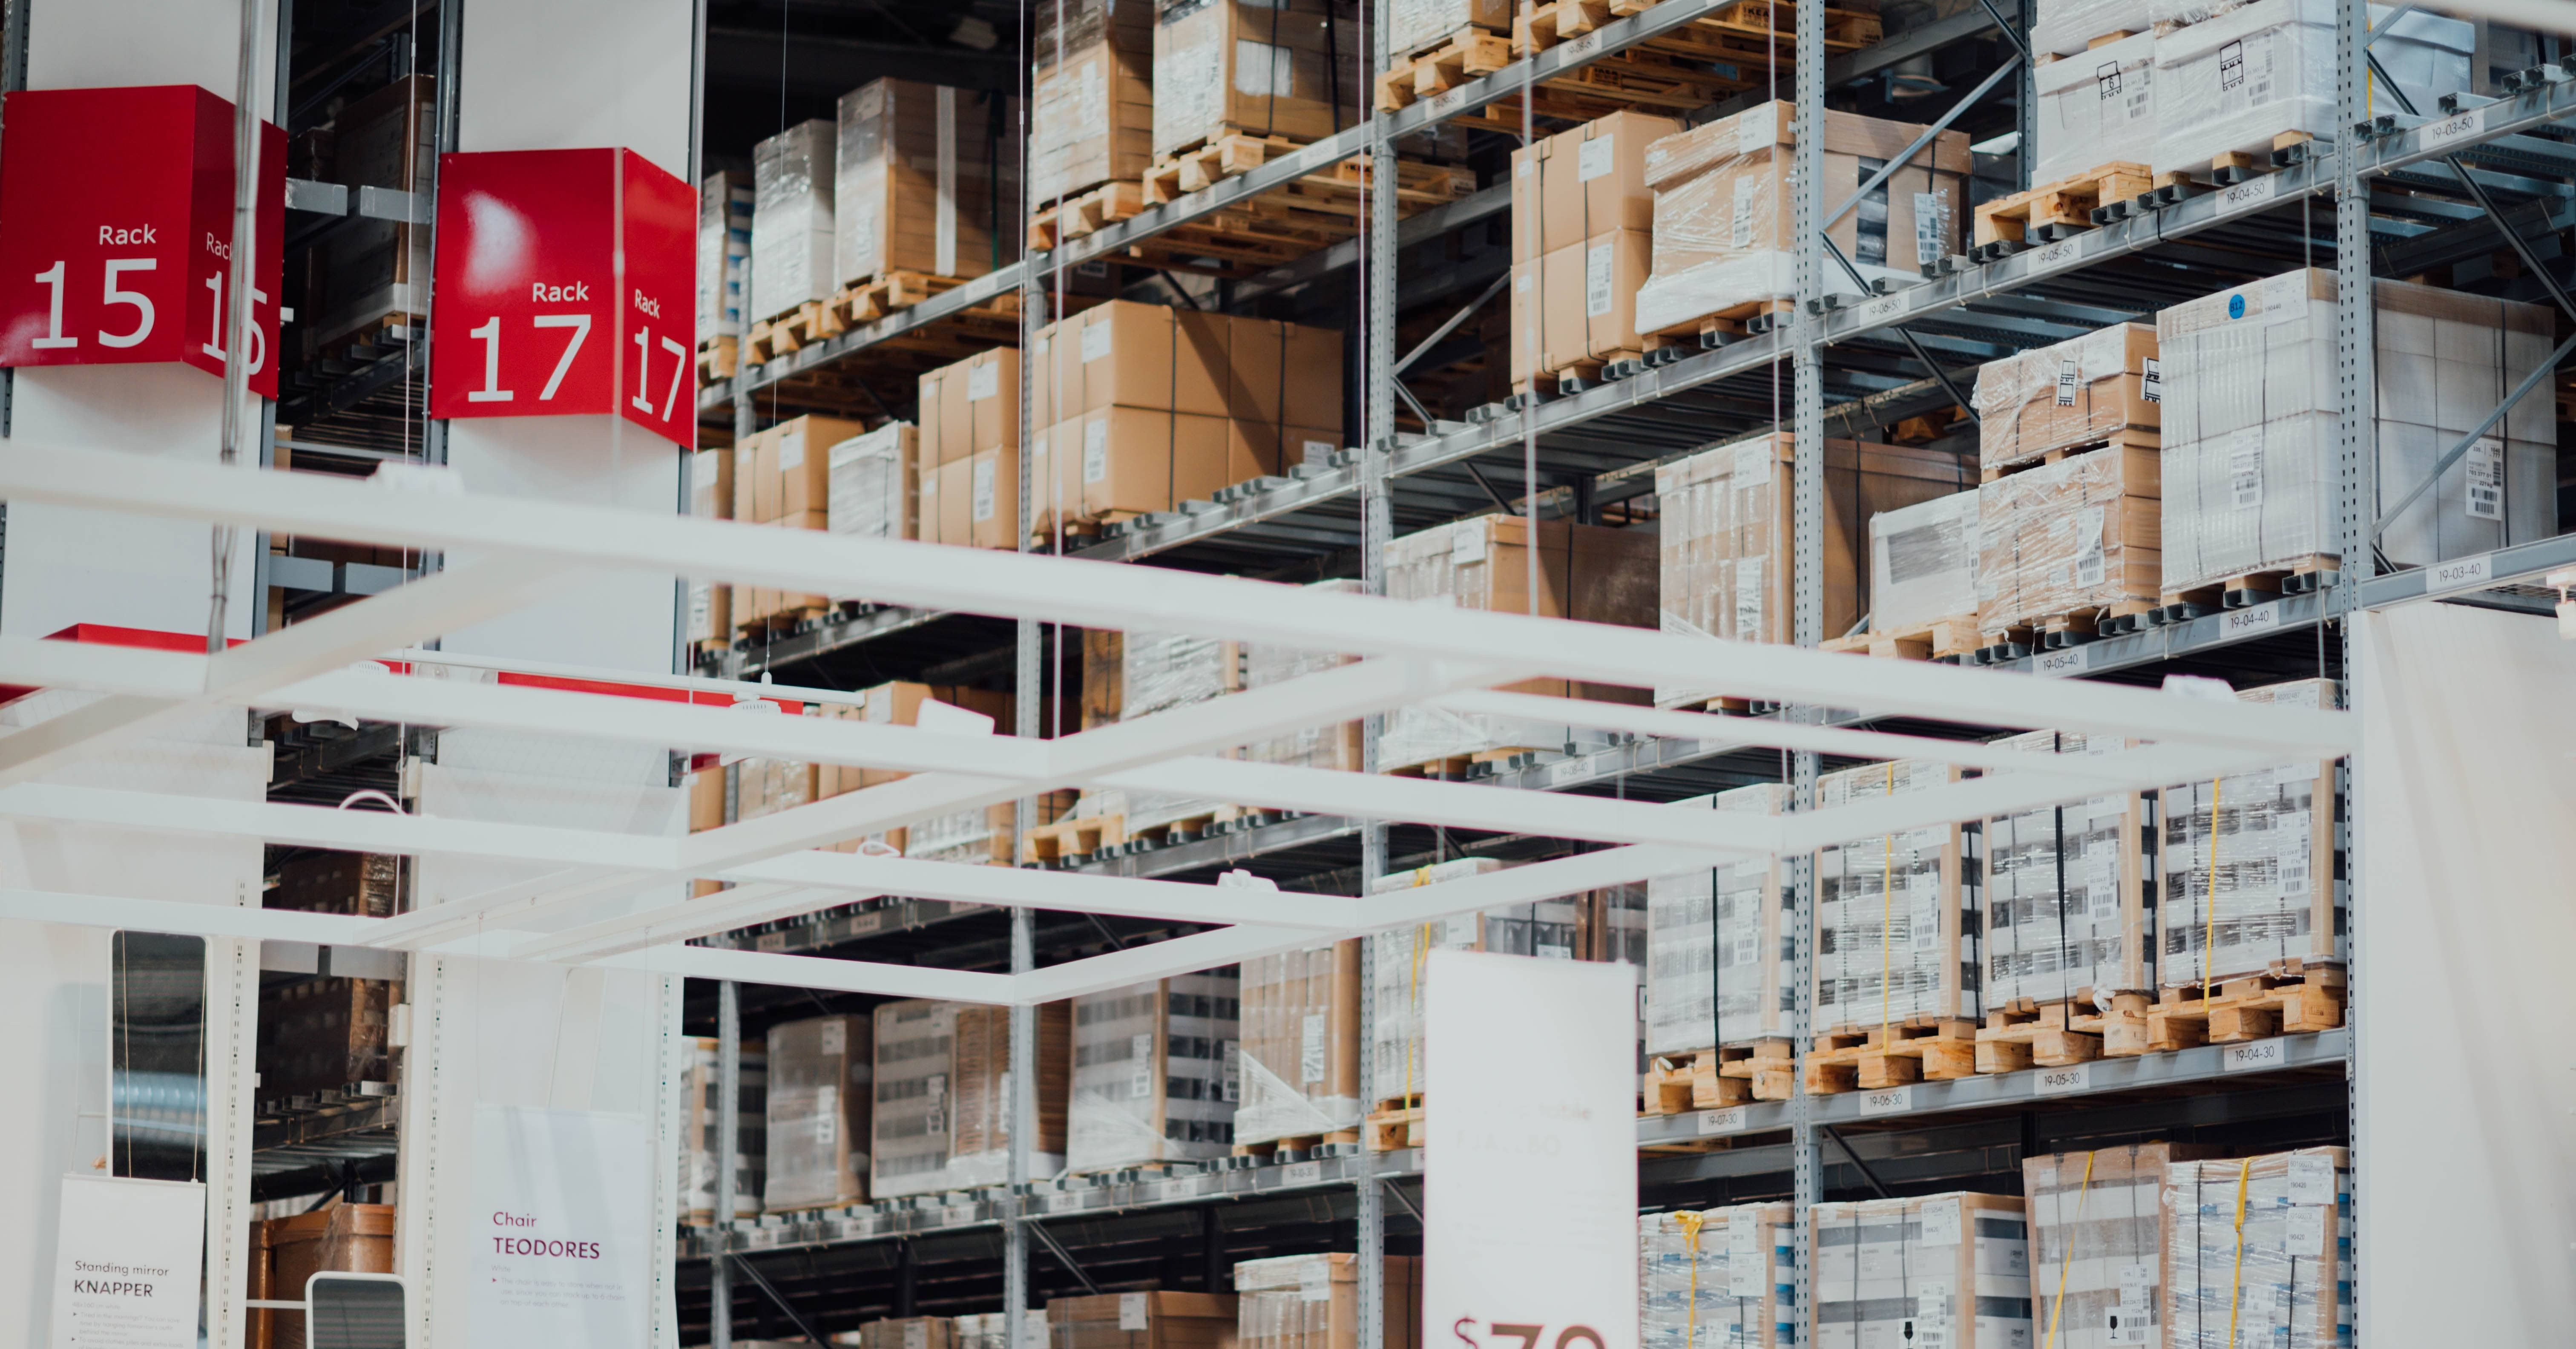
(1904, 1052)
(2235, 166)
(2290, 1001)
(2104, 40)
(1210, 160)
(1071, 838)
(1727, 52)
(785, 620)
(1272, 1147)
(1717, 327)
(717, 360)
(2235, 592)
(1712, 1079)
(2072, 628)
(1096, 209)
(811, 322)
(891, 292)
(1301, 216)
(2043, 213)
(1940, 639)
(2127, 438)
(2026, 1034)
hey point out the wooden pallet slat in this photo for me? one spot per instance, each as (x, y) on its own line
(2036, 215)
(1899, 1054)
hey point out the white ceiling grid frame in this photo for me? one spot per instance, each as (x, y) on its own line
(1426, 655)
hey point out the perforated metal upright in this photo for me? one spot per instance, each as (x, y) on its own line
(2356, 453)
(1807, 544)
(1028, 689)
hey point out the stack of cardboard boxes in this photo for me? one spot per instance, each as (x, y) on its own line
(782, 477)
(1092, 86)
(1582, 213)
(1263, 69)
(942, 1115)
(1155, 1073)
(700, 1125)
(967, 457)
(817, 1130)
(791, 220)
(915, 182)
(1898, 917)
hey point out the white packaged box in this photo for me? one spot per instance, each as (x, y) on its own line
(1154, 1073)
(1951, 1270)
(724, 253)
(2096, 107)
(2233, 83)
(791, 220)
(1720, 1278)
(1923, 562)
(1746, 982)
(2064, 27)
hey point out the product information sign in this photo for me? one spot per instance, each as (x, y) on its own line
(1530, 1163)
(562, 1228)
(129, 1263)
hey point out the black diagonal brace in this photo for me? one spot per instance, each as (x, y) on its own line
(776, 1298)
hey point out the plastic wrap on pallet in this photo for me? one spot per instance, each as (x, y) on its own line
(1335, 747)
(2096, 108)
(1243, 65)
(724, 253)
(2081, 391)
(1747, 983)
(701, 1119)
(2065, 538)
(1722, 227)
(1312, 1302)
(1721, 1278)
(1300, 1052)
(983, 834)
(2276, 891)
(1414, 24)
(2235, 81)
(818, 1114)
(912, 185)
(2064, 27)
(943, 1085)
(791, 220)
(2258, 1251)
(909, 1124)
(1092, 80)
(2067, 912)
(1897, 916)
(2250, 426)
(989, 1330)
(1155, 1072)
(1923, 562)
(1946, 1269)
(1158, 672)
(1071, 27)
(871, 490)
(2097, 1231)
(1548, 929)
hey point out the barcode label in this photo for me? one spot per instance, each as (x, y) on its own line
(2245, 471)
(2151, 383)
(2486, 479)
(2067, 379)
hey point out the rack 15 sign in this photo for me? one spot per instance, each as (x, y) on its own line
(566, 284)
(116, 230)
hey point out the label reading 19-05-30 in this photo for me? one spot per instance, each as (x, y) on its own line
(2060, 1081)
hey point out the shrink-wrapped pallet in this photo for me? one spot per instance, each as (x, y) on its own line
(1550, 929)
(1923, 563)
(1300, 1055)
(791, 220)
(873, 488)
(1581, 216)
(1226, 66)
(724, 253)
(1141, 1321)
(1723, 543)
(1092, 85)
(1313, 1302)
(1897, 916)
(2234, 82)
(2069, 891)
(942, 1113)
(1724, 210)
(1162, 672)
(2096, 108)
(913, 181)
(2082, 391)
(1155, 1072)
(2098, 1233)
(1720, 1278)
(2068, 27)
(1414, 25)
(700, 1120)
(1748, 985)
(2250, 426)
(817, 1134)
(2274, 895)
(1263, 665)
(1585, 572)
(2077, 537)
(1948, 1269)
(2258, 1251)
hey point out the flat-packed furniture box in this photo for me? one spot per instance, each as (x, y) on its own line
(910, 1332)
(1300, 1053)
(366, 270)
(874, 485)
(990, 1330)
(2098, 1237)
(2098, 109)
(1721, 1278)
(1239, 66)
(1092, 85)
(1141, 1321)
(1947, 1269)
(913, 181)
(2274, 898)
(1897, 916)
(1549, 929)
(2101, 387)
(2070, 27)
(1261, 664)
(942, 1118)
(2067, 543)
(1723, 542)
(2069, 889)
(700, 1122)
(1730, 959)
(2257, 1251)
(791, 220)
(2250, 426)
(342, 1238)
(724, 254)
(1923, 564)
(782, 476)
(1154, 1072)
(2235, 82)
(1313, 1302)
(1160, 672)
(1722, 232)
(711, 498)
(818, 1114)
(1574, 308)
(1586, 573)
(1581, 221)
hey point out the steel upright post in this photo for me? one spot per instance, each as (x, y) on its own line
(2356, 504)
(1807, 485)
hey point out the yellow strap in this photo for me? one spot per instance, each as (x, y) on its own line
(2236, 1281)
(1690, 1224)
(2209, 899)
(1886, 910)
(2057, 1307)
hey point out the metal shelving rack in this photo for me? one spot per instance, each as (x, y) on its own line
(1849, 366)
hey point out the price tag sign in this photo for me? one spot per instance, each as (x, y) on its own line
(2253, 1056)
(565, 283)
(1894, 1101)
(2062, 1081)
(116, 229)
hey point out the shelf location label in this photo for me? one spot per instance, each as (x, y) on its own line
(566, 287)
(116, 231)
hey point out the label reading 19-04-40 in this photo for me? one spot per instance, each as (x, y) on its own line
(2249, 620)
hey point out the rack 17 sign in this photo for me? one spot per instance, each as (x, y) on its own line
(566, 284)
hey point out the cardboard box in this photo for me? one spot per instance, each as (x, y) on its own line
(2069, 538)
(2282, 1274)
(1923, 563)
(1694, 1002)
(971, 405)
(2098, 108)
(1905, 1271)
(1414, 25)
(942, 1114)
(1152, 1081)
(2276, 892)
(1897, 916)
(2207, 106)
(1301, 1045)
(993, 499)
(1313, 1302)
(791, 219)
(747, 479)
(804, 462)
(342, 1238)
(2098, 1231)
(1141, 1321)
(2067, 27)
(954, 482)
(914, 185)
(1586, 309)
(1122, 459)
(2082, 391)
(711, 484)
(1284, 374)
(1132, 355)
(1722, 1276)
(874, 484)
(1092, 120)
(2070, 892)
(910, 1332)
(1238, 66)
(366, 269)
(818, 1114)
(699, 1124)
(1550, 929)
(1580, 184)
